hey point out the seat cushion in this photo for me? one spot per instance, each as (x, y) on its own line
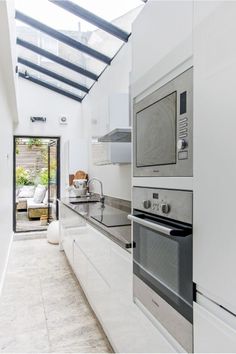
(26, 192)
(45, 200)
(21, 199)
(32, 205)
(39, 194)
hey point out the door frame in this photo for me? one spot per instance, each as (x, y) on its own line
(58, 138)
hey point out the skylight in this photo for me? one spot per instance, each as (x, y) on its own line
(64, 39)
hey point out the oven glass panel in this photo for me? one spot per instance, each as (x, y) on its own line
(156, 133)
(165, 264)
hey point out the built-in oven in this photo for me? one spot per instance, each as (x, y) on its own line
(163, 130)
(162, 258)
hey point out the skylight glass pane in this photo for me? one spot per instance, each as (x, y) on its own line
(112, 10)
(60, 49)
(119, 12)
(57, 18)
(55, 67)
(50, 80)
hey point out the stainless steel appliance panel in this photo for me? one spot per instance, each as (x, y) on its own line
(173, 204)
(159, 148)
(162, 258)
(177, 325)
(163, 130)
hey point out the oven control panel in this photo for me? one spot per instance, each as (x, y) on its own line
(174, 204)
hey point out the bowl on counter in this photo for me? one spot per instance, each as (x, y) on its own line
(80, 183)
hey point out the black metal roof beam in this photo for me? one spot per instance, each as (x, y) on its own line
(50, 87)
(92, 18)
(52, 74)
(62, 37)
(56, 59)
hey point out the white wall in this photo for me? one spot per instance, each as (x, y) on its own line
(116, 178)
(8, 114)
(38, 101)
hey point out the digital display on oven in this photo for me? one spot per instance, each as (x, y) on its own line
(155, 196)
(183, 102)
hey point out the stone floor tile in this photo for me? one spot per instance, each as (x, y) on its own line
(43, 308)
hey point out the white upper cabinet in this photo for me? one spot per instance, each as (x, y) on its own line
(111, 112)
(214, 228)
(161, 41)
(119, 111)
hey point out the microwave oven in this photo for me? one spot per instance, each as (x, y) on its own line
(163, 130)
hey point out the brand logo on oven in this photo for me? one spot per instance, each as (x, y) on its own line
(156, 171)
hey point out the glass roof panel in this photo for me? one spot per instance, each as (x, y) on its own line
(50, 80)
(54, 67)
(60, 49)
(119, 12)
(63, 21)
(112, 10)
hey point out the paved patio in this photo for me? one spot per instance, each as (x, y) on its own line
(24, 224)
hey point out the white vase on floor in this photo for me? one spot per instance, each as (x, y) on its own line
(53, 232)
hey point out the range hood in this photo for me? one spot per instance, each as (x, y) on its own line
(117, 135)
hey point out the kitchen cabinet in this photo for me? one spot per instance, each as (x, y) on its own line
(214, 329)
(111, 112)
(104, 271)
(70, 226)
(106, 153)
(106, 279)
(161, 42)
(214, 240)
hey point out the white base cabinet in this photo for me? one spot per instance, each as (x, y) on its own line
(104, 271)
(214, 328)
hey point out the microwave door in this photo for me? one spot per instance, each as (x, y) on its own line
(156, 133)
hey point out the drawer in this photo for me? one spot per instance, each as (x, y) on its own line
(80, 266)
(120, 272)
(97, 248)
(68, 246)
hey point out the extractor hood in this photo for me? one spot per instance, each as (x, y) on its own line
(117, 135)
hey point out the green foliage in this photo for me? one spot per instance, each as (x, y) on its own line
(18, 142)
(34, 142)
(22, 177)
(53, 169)
(43, 177)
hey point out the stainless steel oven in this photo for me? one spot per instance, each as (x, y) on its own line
(163, 130)
(162, 258)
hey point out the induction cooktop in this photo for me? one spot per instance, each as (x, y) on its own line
(113, 220)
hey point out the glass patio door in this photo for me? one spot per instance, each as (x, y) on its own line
(53, 179)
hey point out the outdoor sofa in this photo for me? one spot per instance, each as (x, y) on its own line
(33, 199)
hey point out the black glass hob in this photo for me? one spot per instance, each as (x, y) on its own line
(113, 220)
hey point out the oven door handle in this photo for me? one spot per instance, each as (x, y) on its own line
(182, 232)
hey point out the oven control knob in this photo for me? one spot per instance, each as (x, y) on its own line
(147, 204)
(165, 208)
(182, 144)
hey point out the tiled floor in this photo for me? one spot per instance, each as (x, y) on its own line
(42, 308)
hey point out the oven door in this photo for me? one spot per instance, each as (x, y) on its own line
(162, 259)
